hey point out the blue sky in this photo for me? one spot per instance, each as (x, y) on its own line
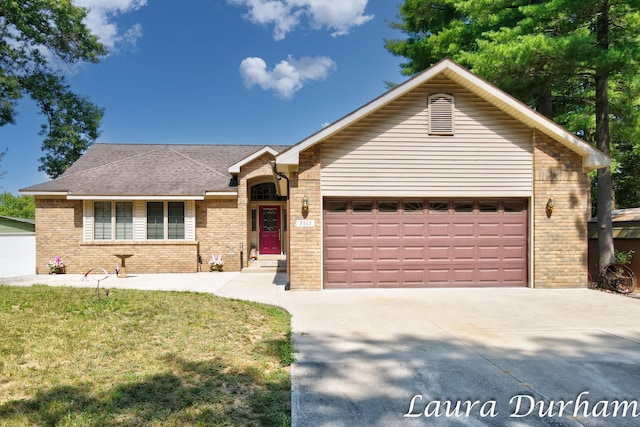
(220, 72)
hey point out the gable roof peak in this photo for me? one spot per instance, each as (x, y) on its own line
(591, 157)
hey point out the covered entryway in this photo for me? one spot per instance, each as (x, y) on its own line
(267, 217)
(424, 243)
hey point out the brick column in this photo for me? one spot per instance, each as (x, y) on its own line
(305, 255)
(559, 236)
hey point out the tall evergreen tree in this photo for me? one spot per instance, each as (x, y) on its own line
(558, 56)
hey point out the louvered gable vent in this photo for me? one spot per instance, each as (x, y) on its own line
(441, 108)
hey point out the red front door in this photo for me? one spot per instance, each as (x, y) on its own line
(270, 230)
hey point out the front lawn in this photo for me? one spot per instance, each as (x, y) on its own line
(69, 358)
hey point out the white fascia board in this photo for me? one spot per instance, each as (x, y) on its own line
(140, 197)
(221, 194)
(44, 193)
(236, 167)
(595, 161)
(288, 158)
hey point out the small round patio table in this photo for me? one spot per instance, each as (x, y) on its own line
(123, 268)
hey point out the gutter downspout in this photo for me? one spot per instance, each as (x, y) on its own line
(278, 176)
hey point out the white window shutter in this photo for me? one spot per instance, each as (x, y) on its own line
(441, 114)
(87, 217)
(190, 220)
(139, 220)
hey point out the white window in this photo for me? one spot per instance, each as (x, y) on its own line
(165, 219)
(113, 219)
(441, 114)
(139, 220)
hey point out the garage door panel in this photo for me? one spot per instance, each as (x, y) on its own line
(414, 276)
(388, 253)
(489, 230)
(388, 230)
(463, 253)
(463, 230)
(390, 276)
(362, 230)
(514, 230)
(439, 276)
(364, 253)
(444, 243)
(438, 253)
(514, 252)
(338, 277)
(514, 275)
(413, 253)
(413, 230)
(336, 230)
(489, 253)
(463, 276)
(438, 230)
(489, 276)
(362, 276)
(337, 253)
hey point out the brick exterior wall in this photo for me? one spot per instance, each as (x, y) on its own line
(560, 238)
(220, 230)
(59, 232)
(305, 258)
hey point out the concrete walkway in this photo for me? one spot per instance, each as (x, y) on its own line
(494, 357)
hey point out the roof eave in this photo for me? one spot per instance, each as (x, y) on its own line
(43, 193)
(135, 197)
(235, 168)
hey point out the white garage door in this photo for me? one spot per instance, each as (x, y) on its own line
(424, 243)
(17, 255)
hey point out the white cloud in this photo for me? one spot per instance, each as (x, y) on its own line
(288, 76)
(100, 16)
(338, 16)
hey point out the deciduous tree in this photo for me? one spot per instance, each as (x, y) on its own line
(37, 39)
(17, 207)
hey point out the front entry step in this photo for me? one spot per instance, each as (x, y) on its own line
(267, 264)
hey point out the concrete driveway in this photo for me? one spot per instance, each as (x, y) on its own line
(494, 357)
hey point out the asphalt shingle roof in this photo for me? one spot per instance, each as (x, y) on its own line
(150, 170)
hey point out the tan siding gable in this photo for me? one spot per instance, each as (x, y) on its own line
(391, 153)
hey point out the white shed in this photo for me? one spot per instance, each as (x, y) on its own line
(17, 246)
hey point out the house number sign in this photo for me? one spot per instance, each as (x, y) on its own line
(305, 223)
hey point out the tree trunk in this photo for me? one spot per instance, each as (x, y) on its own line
(544, 102)
(603, 141)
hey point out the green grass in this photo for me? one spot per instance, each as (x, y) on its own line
(137, 358)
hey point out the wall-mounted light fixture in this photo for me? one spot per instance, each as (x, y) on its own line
(550, 204)
(305, 203)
